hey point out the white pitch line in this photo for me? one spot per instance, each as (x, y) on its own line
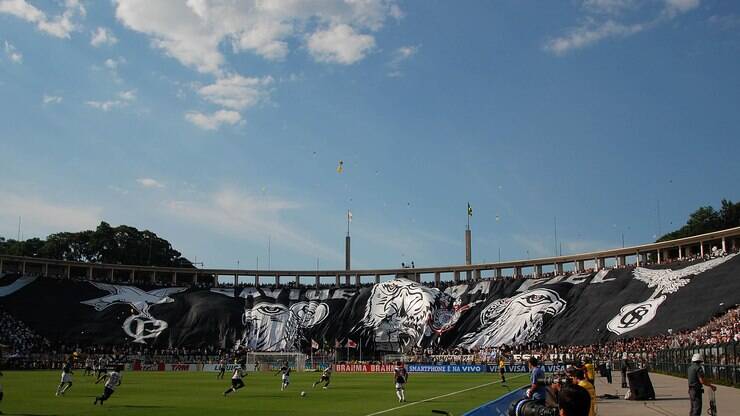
(439, 397)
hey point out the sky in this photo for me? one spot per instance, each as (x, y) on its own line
(220, 125)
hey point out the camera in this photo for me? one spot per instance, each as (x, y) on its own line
(527, 407)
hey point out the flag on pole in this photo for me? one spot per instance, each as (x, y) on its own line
(349, 215)
(351, 344)
(314, 345)
(470, 210)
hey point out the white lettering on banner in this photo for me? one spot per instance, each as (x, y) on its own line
(576, 279)
(555, 279)
(482, 287)
(601, 277)
(343, 293)
(529, 283)
(272, 293)
(456, 291)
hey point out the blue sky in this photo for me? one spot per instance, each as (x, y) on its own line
(219, 125)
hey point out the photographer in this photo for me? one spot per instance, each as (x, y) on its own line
(537, 391)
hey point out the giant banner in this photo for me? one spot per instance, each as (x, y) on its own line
(390, 316)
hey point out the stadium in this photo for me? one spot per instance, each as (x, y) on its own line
(369, 207)
(173, 329)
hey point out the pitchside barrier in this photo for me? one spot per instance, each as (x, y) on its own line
(499, 406)
(721, 362)
(442, 368)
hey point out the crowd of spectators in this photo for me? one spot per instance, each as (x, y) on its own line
(18, 337)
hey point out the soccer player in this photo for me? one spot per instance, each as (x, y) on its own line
(113, 381)
(66, 382)
(89, 363)
(502, 369)
(285, 370)
(236, 380)
(221, 370)
(325, 378)
(400, 375)
(100, 370)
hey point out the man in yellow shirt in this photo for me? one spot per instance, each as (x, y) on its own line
(583, 382)
(502, 368)
(590, 372)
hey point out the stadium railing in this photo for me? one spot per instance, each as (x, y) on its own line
(721, 362)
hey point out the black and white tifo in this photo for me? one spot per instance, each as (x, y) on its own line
(390, 316)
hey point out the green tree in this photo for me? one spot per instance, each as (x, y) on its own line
(707, 219)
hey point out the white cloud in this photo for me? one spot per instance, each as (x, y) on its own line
(213, 121)
(399, 56)
(124, 99)
(113, 64)
(248, 217)
(150, 183)
(59, 26)
(51, 99)
(193, 31)
(102, 36)
(339, 44)
(236, 92)
(41, 214)
(594, 28)
(589, 34)
(129, 95)
(12, 53)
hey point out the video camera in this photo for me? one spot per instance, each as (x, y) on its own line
(528, 407)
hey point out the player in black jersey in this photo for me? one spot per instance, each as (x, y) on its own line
(400, 376)
(221, 370)
(236, 380)
(66, 382)
(285, 370)
(325, 378)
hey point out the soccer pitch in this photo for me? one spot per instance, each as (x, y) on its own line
(201, 394)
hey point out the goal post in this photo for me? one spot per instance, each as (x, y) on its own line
(272, 361)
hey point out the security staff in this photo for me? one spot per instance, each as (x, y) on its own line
(696, 381)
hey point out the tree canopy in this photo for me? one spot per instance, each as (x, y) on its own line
(106, 244)
(707, 219)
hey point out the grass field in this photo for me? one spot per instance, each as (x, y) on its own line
(197, 393)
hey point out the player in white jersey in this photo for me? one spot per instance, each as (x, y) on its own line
(400, 376)
(325, 378)
(66, 382)
(285, 370)
(236, 380)
(113, 380)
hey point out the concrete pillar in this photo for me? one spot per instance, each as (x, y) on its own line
(734, 244)
(154, 276)
(1, 266)
(347, 279)
(90, 273)
(215, 280)
(256, 280)
(111, 273)
(357, 280)
(623, 261)
(518, 271)
(377, 279)
(23, 268)
(236, 280)
(538, 270)
(680, 252)
(600, 263)
(456, 278)
(347, 252)
(660, 258)
(499, 273)
(318, 281)
(277, 280)
(559, 268)
(724, 245)
(437, 278)
(338, 283)
(174, 278)
(701, 248)
(580, 266)
(468, 249)
(297, 280)
(46, 270)
(132, 276)
(68, 272)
